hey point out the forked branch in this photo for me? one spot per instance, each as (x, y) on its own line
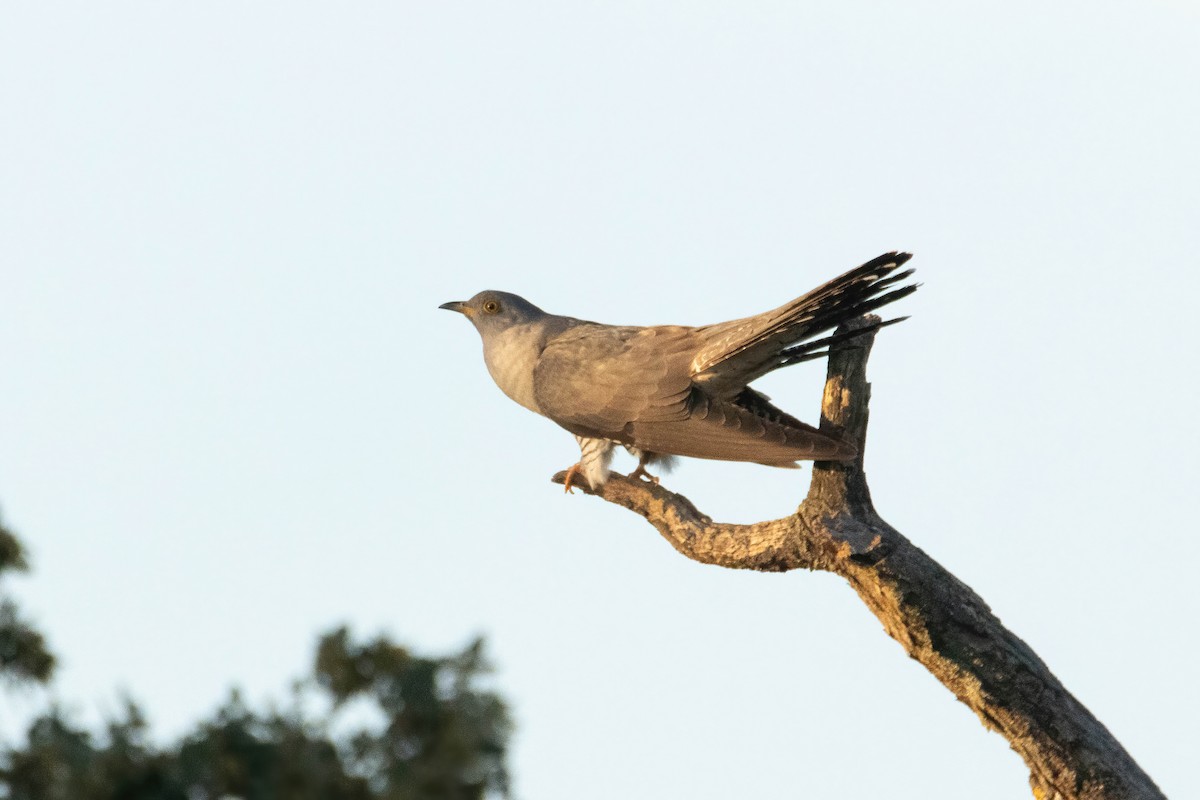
(936, 618)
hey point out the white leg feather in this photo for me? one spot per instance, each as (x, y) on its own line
(596, 455)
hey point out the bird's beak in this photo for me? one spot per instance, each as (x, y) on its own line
(455, 305)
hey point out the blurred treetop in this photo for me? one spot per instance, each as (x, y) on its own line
(434, 731)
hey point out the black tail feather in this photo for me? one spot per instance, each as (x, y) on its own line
(819, 348)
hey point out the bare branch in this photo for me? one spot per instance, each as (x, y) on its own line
(936, 618)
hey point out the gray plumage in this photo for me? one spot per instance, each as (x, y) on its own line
(671, 389)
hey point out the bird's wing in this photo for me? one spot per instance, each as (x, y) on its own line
(633, 385)
(595, 380)
(732, 354)
(748, 428)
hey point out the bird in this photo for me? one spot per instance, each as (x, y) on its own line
(672, 390)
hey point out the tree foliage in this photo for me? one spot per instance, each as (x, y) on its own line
(24, 656)
(434, 734)
(395, 726)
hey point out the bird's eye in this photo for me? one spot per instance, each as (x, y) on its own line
(491, 306)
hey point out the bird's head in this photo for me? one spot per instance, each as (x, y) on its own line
(491, 311)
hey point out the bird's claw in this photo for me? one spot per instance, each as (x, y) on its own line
(571, 473)
(641, 474)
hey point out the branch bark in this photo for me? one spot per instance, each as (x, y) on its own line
(935, 617)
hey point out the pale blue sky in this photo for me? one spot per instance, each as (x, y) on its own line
(225, 229)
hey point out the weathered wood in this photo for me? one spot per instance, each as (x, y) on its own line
(935, 617)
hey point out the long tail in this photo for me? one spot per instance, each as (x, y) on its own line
(819, 348)
(737, 352)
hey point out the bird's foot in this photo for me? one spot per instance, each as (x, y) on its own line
(572, 472)
(641, 474)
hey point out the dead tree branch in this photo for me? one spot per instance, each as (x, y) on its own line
(935, 617)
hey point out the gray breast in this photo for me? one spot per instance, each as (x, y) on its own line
(511, 355)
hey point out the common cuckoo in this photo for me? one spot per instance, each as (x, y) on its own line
(672, 390)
